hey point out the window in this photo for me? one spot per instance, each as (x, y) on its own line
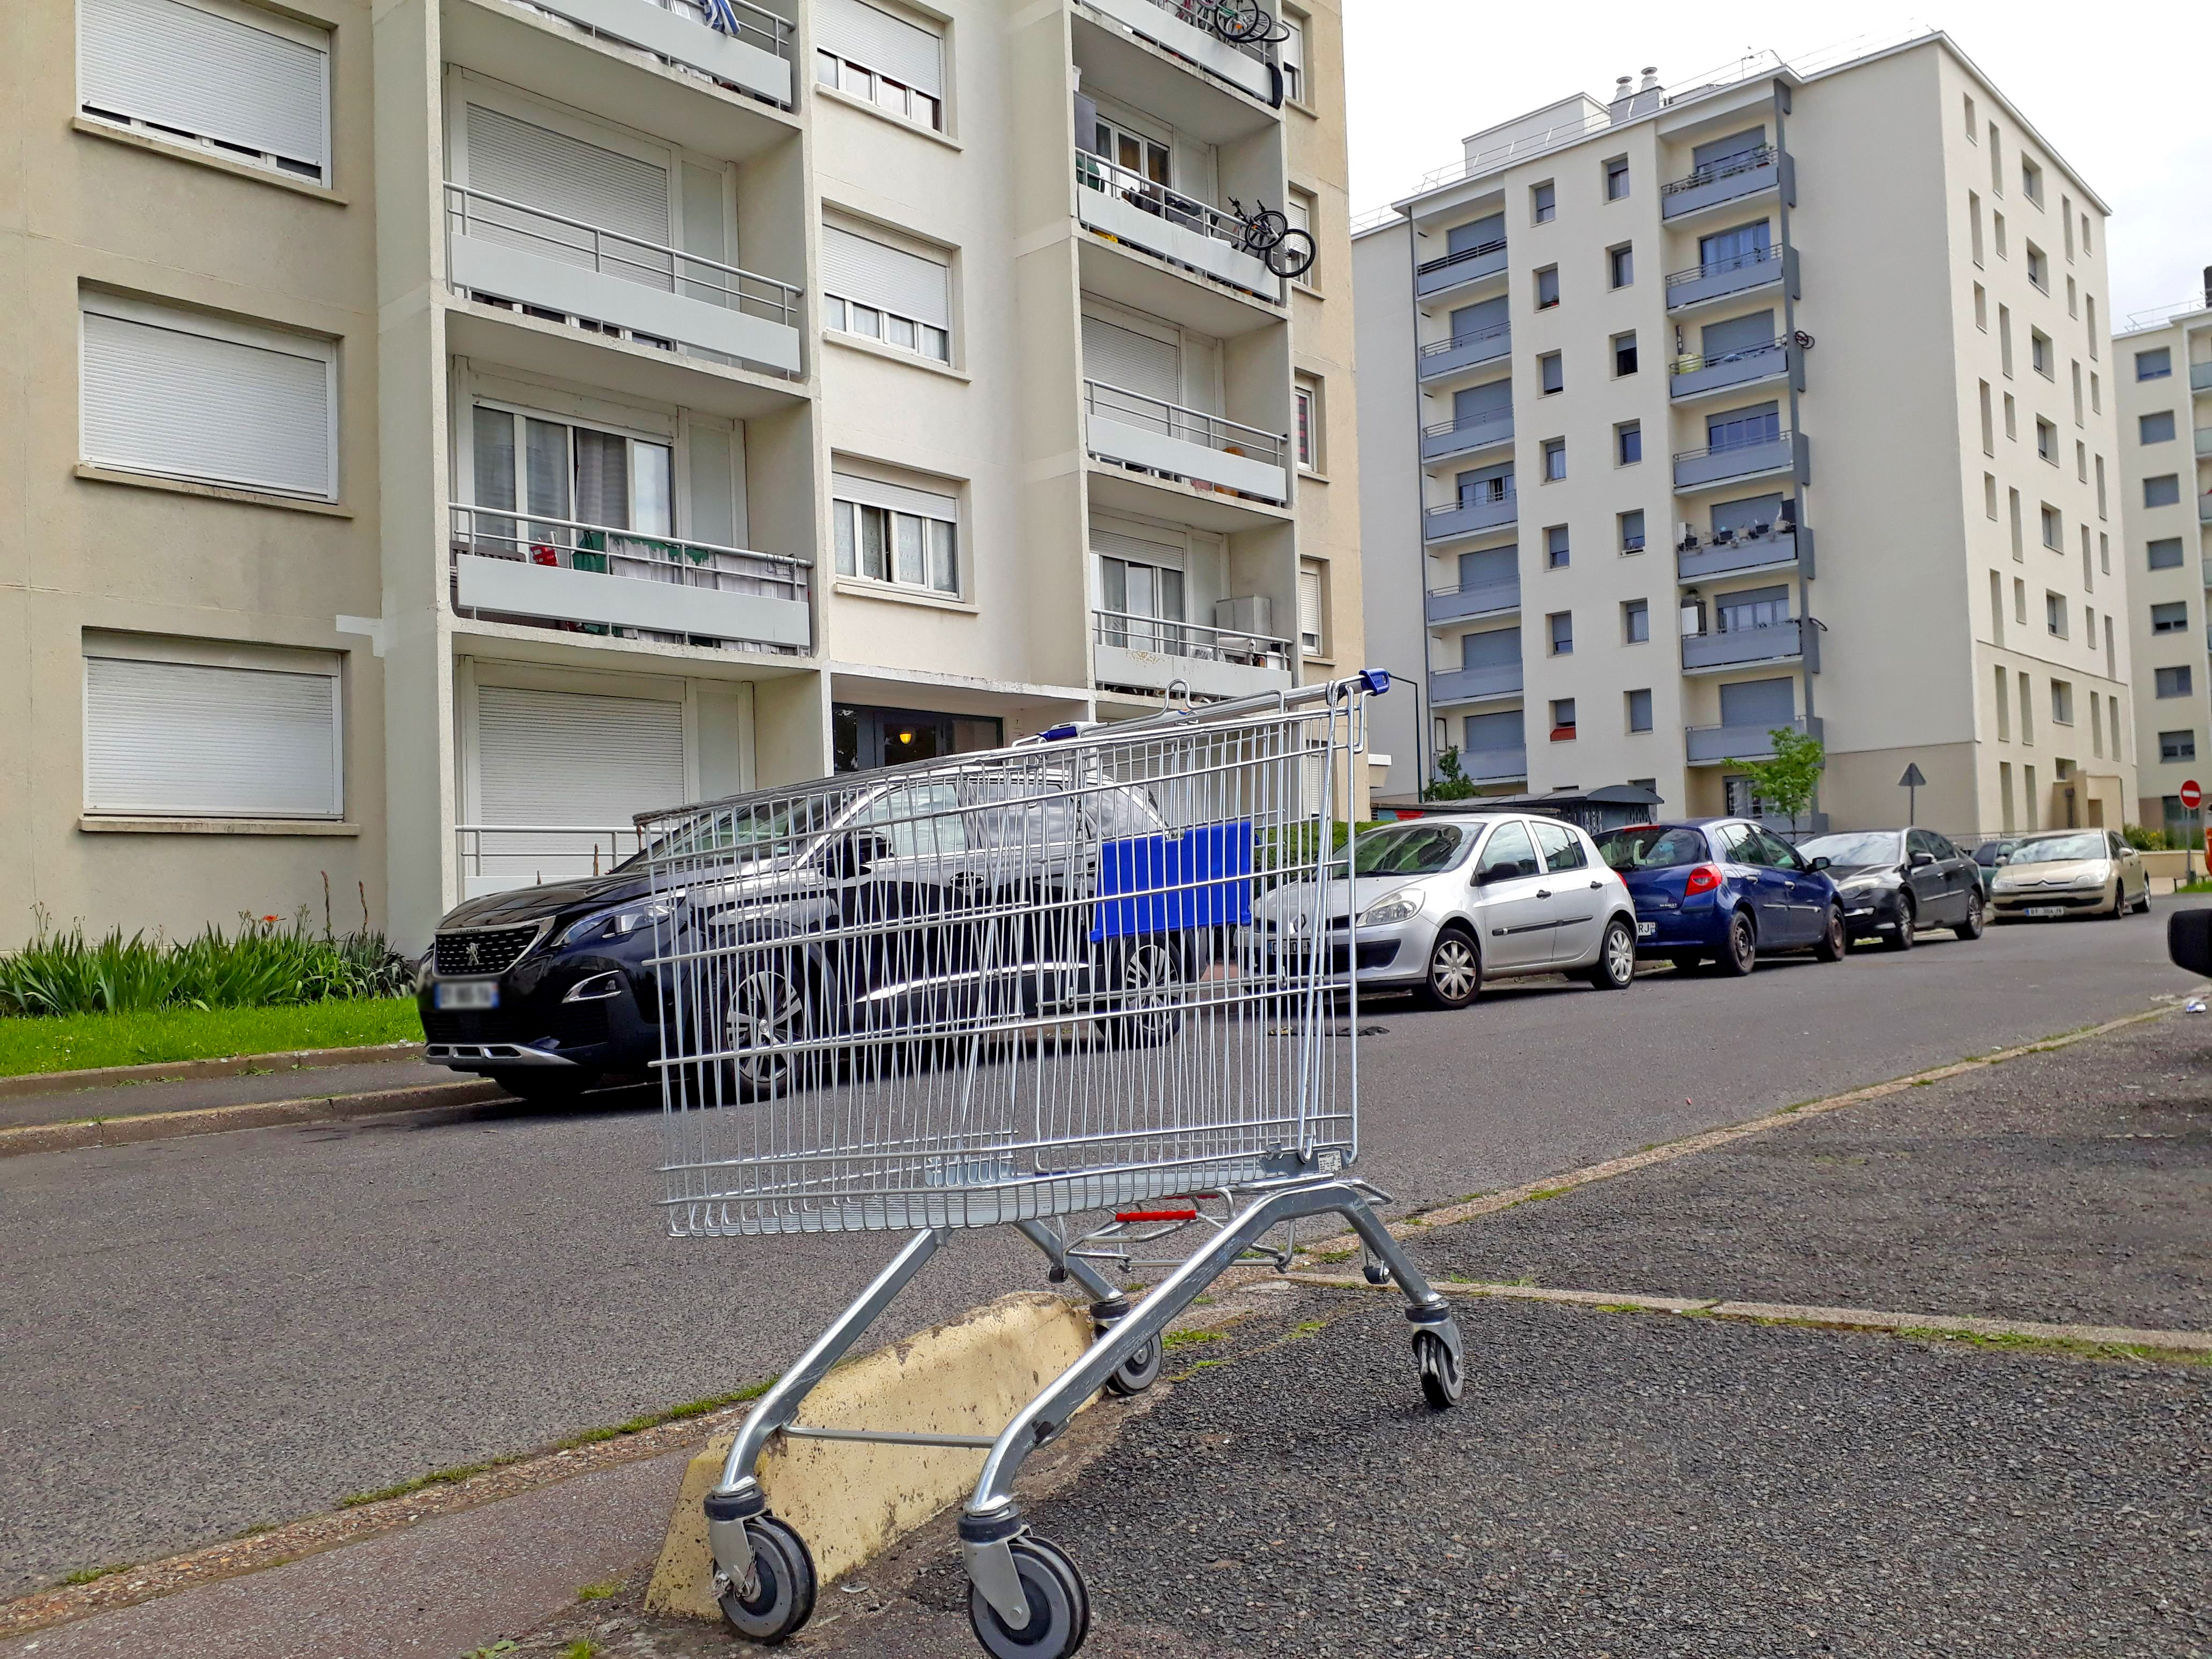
(2177, 745)
(1639, 711)
(2054, 614)
(1616, 178)
(2165, 490)
(884, 60)
(1551, 373)
(1543, 203)
(1631, 531)
(1306, 401)
(1621, 266)
(1311, 609)
(2154, 364)
(1628, 442)
(2061, 702)
(1563, 719)
(175, 394)
(2170, 682)
(1635, 622)
(2172, 618)
(234, 81)
(884, 293)
(2046, 440)
(2031, 181)
(188, 729)
(2039, 272)
(1981, 308)
(1555, 547)
(1548, 288)
(2039, 357)
(1560, 626)
(1293, 56)
(2157, 429)
(2166, 553)
(910, 538)
(1623, 353)
(1989, 494)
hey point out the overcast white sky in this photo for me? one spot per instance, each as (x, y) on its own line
(2117, 89)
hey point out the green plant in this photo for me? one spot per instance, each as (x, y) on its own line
(1450, 782)
(1786, 779)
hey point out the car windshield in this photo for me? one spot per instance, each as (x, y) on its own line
(1412, 849)
(1651, 848)
(760, 829)
(1861, 847)
(2060, 849)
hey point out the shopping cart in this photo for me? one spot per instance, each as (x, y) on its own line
(1100, 974)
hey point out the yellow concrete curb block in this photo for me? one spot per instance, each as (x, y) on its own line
(849, 1501)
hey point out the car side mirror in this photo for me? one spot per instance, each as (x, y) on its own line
(1922, 861)
(1820, 862)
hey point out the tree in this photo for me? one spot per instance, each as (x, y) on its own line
(1451, 783)
(1786, 781)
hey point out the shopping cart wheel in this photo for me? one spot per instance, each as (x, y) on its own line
(1440, 1377)
(1060, 1608)
(782, 1598)
(1139, 1371)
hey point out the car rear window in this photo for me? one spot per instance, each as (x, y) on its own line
(1652, 848)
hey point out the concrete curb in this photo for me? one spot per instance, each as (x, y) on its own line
(851, 1501)
(179, 1071)
(252, 1115)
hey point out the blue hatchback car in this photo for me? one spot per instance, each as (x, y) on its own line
(1724, 890)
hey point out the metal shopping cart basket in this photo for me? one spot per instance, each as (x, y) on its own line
(1091, 975)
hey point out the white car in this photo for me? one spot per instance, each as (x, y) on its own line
(2069, 872)
(1437, 905)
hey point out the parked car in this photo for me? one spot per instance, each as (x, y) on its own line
(1896, 881)
(1440, 905)
(2069, 872)
(1724, 890)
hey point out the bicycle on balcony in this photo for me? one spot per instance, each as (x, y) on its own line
(1269, 235)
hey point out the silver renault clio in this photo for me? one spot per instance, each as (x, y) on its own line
(1437, 905)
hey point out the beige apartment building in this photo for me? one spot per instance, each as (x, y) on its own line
(441, 429)
(1775, 398)
(2163, 388)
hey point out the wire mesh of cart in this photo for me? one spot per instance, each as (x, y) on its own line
(1092, 986)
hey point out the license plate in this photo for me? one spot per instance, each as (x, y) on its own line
(467, 993)
(1645, 929)
(2045, 910)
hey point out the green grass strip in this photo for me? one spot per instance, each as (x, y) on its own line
(70, 1042)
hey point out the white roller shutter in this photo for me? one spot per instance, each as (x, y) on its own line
(178, 739)
(889, 278)
(889, 45)
(576, 759)
(899, 498)
(604, 188)
(167, 393)
(1135, 362)
(211, 73)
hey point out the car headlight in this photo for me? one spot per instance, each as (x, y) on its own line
(1397, 907)
(615, 924)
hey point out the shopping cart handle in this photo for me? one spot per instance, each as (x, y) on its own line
(1377, 680)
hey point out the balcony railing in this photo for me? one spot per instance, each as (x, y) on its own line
(1185, 27)
(509, 252)
(1451, 270)
(1741, 458)
(496, 858)
(1693, 375)
(1501, 679)
(1773, 641)
(1128, 427)
(588, 579)
(1465, 517)
(1728, 179)
(750, 54)
(1458, 437)
(1149, 654)
(1483, 599)
(1709, 745)
(1736, 274)
(1171, 226)
(1466, 351)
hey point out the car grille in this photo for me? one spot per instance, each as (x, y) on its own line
(492, 950)
(571, 1026)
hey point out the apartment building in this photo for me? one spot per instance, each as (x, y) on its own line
(1628, 362)
(445, 428)
(2163, 389)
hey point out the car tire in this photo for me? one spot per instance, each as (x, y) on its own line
(545, 1086)
(1835, 940)
(1740, 955)
(1454, 977)
(1907, 933)
(1615, 967)
(1977, 918)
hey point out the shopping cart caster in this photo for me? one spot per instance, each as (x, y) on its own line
(1060, 1608)
(1139, 1371)
(781, 1595)
(1441, 1383)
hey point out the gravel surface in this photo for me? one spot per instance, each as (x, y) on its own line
(2071, 1186)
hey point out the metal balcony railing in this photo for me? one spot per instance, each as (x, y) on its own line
(1190, 426)
(1176, 209)
(1199, 641)
(1753, 260)
(1748, 160)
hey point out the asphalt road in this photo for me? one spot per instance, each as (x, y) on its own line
(209, 1334)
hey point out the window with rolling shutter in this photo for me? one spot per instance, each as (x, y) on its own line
(885, 60)
(239, 82)
(559, 173)
(166, 738)
(178, 395)
(1119, 356)
(884, 292)
(1310, 609)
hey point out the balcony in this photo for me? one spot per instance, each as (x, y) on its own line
(1186, 29)
(1147, 654)
(1782, 641)
(1457, 270)
(1714, 745)
(1780, 452)
(1466, 351)
(1464, 437)
(1738, 273)
(1466, 518)
(1693, 376)
(2200, 377)
(754, 57)
(1459, 604)
(506, 252)
(1473, 684)
(587, 579)
(1730, 180)
(1134, 430)
(1737, 552)
(1127, 206)
(1494, 765)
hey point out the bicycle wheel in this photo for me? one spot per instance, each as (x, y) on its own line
(1292, 254)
